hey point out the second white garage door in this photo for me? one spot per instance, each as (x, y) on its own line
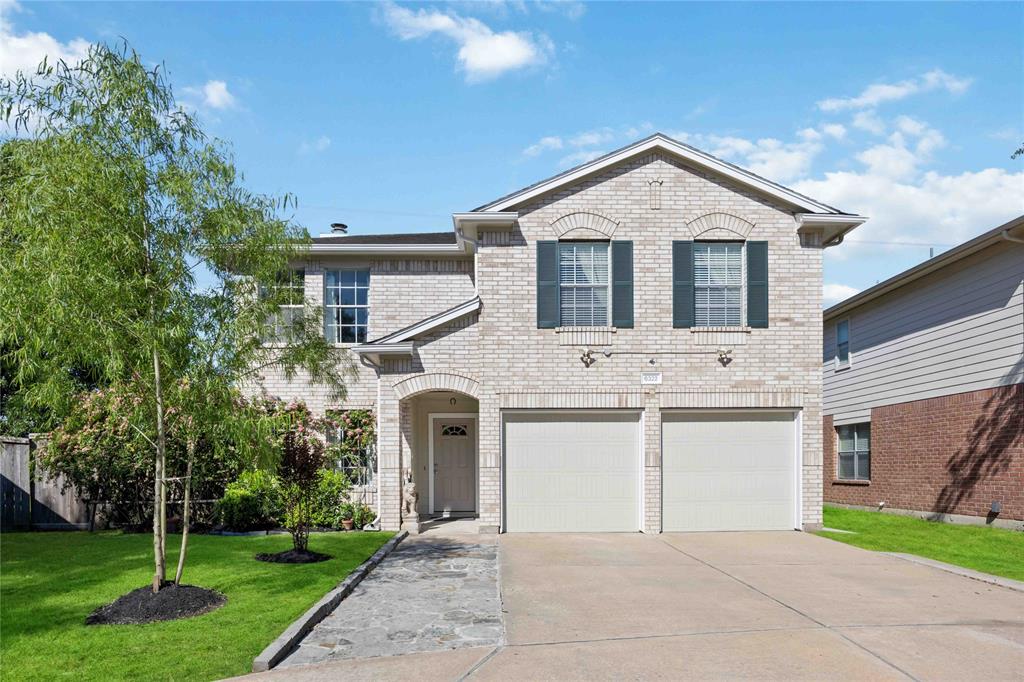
(728, 471)
(572, 472)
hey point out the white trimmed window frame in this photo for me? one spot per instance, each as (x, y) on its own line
(283, 320)
(356, 306)
(743, 284)
(855, 454)
(840, 364)
(562, 286)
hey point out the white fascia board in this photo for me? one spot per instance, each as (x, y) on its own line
(467, 225)
(690, 154)
(834, 226)
(430, 323)
(458, 249)
(384, 349)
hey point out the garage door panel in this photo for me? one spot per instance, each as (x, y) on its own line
(571, 472)
(728, 471)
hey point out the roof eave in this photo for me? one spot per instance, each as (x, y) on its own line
(833, 227)
(1013, 228)
(457, 249)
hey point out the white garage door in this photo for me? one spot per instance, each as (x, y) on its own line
(728, 471)
(572, 472)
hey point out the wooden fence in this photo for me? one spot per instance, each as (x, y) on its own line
(30, 500)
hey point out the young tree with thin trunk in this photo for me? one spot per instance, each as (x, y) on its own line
(112, 201)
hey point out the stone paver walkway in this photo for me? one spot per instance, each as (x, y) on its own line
(432, 593)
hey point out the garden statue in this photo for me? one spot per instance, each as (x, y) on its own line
(410, 500)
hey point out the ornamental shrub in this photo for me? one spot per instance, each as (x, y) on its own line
(253, 502)
(329, 499)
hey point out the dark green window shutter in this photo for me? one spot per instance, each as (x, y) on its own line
(622, 284)
(757, 284)
(682, 285)
(547, 285)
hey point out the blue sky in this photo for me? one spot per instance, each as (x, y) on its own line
(389, 117)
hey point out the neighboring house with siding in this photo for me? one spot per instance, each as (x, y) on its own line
(630, 345)
(924, 400)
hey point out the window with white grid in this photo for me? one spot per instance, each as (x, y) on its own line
(583, 283)
(346, 305)
(718, 283)
(290, 289)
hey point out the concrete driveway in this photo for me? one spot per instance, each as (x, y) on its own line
(782, 605)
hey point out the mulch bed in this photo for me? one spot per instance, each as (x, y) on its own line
(294, 557)
(172, 602)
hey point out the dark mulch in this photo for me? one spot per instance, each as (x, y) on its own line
(293, 556)
(170, 603)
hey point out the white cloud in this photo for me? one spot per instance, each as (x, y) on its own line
(570, 9)
(835, 130)
(577, 158)
(213, 94)
(936, 208)
(772, 158)
(543, 145)
(592, 137)
(910, 146)
(24, 51)
(879, 93)
(321, 144)
(1007, 134)
(869, 121)
(482, 54)
(834, 293)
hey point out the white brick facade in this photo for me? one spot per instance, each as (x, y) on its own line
(498, 359)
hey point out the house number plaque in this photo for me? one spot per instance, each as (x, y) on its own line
(650, 378)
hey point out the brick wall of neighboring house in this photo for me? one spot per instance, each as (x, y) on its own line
(954, 454)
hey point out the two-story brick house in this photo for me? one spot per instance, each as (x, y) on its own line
(631, 345)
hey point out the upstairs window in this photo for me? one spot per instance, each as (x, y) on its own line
(718, 284)
(855, 452)
(290, 289)
(583, 274)
(843, 344)
(346, 305)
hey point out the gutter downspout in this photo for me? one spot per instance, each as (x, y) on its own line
(476, 254)
(375, 524)
(1006, 235)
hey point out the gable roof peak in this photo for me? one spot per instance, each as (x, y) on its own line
(690, 154)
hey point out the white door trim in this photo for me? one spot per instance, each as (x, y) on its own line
(476, 452)
(798, 441)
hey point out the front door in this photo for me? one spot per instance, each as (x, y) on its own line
(454, 446)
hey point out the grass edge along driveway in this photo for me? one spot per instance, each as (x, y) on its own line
(991, 550)
(49, 583)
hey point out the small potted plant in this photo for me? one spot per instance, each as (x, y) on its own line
(347, 514)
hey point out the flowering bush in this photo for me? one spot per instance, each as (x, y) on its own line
(106, 457)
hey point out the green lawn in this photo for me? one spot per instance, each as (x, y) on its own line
(991, 550)
(49, 583)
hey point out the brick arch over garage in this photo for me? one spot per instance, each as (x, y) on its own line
(712, 225)
(437, 381)
(590, 220)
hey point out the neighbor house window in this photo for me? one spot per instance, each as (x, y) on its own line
(290, 289)
(346, 305)
(842, 344)
(718, 284)
(855, 452)
(583, 283)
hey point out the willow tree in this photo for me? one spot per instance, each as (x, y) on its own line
(112, 201)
